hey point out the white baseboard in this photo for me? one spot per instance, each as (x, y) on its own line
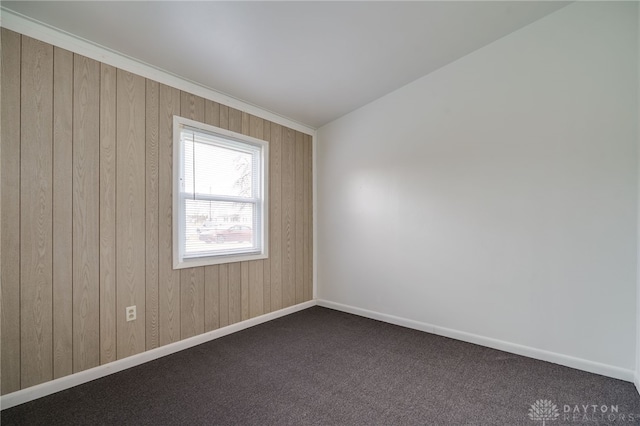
(556, 358)
(48, 388)
(53, 386)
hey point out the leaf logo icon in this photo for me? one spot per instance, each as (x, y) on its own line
(543, 410)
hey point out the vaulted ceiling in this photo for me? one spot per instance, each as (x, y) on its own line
(309, 61)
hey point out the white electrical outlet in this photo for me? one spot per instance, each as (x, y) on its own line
(131, 313)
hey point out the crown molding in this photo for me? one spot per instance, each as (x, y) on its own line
(48, 34)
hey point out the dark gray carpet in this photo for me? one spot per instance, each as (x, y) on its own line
(323, 367)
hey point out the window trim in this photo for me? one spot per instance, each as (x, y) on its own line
(178, 263)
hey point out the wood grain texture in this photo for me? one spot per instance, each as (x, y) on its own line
(192, 279)
(235, 284)
(212, 273)
(255, 280)
(130, 212)
(223, 285)
(62, 212)
(36, 170)
(288, 217)
(245, 123)
(235, 120)
(86, 217)
(266, 287)
(256, 126)
(211, 297)
(86, 213)
(169, 279)
(192, 302)
(308, 218)
(152, 339)
(275, 220)
(244, 291)
(212, 113)
(224, 117)
(11, 44)
(256, 267)
(107, 214)
(191, 106)
(299, 217)
(244, 266)
(225, 292)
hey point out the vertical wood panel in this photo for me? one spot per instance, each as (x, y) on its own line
(151, 245)
(212, 113)
(299, 217)
(256, 267)
(266, 288)
(275, 221)
(130, 212)
(244, 266)
(212, 273)
(224, 290)
(244, 290)
(256, 271)
(10, 211)
(256, 126)
(191, 106)
(86, 205)
(62, 213)
(224, 117)
(245, 123)
(192, 279)
(288, 217)
(223, 285)
(236, 283)
(169, 279)
(36, 260)
(86, 169)
(308, 219)
(107, 214)
(211, 298)
(235, 120)
(192, 302)
(235, 276)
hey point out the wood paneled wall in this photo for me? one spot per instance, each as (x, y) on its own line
(86, 205)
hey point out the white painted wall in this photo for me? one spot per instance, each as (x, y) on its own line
(497, 195)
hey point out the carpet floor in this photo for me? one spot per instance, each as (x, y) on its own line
(324, 367)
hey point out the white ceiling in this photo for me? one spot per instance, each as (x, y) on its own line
(309, 61)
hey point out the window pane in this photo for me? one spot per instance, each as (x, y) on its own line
(220, 170)
(216, 227)
(220, 202)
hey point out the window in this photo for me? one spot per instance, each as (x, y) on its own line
(219, 203)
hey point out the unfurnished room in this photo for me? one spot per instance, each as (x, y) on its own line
(319, 213)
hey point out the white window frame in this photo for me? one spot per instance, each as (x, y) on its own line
(179, 222)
